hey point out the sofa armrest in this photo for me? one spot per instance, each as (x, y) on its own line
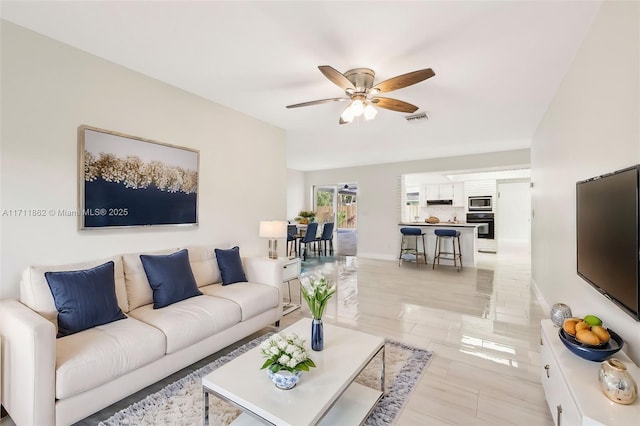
(261, 270)
(28, 364)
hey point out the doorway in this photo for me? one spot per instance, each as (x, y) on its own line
(348, 220)
(514, 214)
(338, 204)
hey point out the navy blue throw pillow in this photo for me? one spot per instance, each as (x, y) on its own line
(84, 299)
(170, 277)
(230, 265)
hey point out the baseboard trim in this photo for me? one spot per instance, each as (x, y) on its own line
(539, 296)
(377, 256)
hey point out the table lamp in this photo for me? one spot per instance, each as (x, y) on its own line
(273, 229)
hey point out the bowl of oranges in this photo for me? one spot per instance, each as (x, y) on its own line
(589, 339)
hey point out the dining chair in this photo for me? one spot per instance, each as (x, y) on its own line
(327, 236)
(309, 238)
(292, 239)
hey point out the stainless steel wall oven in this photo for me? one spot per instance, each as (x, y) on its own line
(487, 229)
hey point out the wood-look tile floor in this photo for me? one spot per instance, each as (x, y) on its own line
(481, 323)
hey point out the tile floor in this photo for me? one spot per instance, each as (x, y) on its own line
(482, 324)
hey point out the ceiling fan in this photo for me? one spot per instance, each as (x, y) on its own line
(363, 94)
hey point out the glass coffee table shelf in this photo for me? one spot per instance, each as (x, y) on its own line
(287, 308)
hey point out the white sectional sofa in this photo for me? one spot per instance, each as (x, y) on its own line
(48, 380)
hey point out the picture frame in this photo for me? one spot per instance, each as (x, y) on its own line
(127, 181)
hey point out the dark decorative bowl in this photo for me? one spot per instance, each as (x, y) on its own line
(589, 352)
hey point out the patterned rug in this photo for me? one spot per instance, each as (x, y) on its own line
(180, 403)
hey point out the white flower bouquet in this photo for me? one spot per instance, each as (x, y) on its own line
(285, 351)
(317, 293)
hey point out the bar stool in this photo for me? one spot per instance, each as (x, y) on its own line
(447, 234)
(407, 233)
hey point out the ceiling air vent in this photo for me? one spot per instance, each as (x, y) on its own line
(414, 118)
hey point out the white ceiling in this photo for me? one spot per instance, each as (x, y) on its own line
(498, 64)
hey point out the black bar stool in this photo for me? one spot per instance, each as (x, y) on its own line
(447, 234)
(405, 250)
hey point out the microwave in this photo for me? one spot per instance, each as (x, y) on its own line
(480, 203)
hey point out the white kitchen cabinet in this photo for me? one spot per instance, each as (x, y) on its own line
(422, 200)
(571, 386)
(458, 194)
(433, 191)
(446, 191)
(440, 191)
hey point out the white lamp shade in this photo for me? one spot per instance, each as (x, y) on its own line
(273, 229)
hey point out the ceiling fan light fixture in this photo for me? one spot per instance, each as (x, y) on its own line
(358, 85)
(370, 112)
(357, 107)
(347, 114)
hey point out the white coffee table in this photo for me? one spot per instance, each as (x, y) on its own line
(326, 394)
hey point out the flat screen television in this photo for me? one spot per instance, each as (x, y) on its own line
(607, 228)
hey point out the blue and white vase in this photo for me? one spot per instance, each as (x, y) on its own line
(284, 379)
(317, 335)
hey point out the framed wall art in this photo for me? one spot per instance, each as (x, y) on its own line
(127, 181)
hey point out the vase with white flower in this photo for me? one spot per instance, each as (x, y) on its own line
(317, 292)
(287, 358)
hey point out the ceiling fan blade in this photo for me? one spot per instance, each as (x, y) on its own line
(341, 121)
(394, 105)
(336, 77)
(404, 80)
(321, 101)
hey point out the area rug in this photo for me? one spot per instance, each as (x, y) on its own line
(180, 403)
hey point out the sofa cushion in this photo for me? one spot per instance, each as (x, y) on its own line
(204, 265)
(84, 298)
(170, 277)
(35, 292)
(139, 291)
(98, 355)
(191, 320)
(253, 299)
(230, 265)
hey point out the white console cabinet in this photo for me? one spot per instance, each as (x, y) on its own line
(572, 390)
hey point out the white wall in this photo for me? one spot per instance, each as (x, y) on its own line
(49, 89)
(379, 193)
(295, 193)
(591, 127)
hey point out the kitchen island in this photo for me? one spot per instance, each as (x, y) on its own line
(468, 240)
